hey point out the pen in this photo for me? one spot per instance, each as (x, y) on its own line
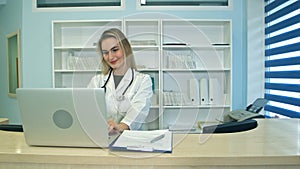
(155, 139)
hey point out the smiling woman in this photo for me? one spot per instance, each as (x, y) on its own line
(13, 62)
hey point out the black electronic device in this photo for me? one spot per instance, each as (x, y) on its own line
(231, 127)
(11, 127)
(252, 111)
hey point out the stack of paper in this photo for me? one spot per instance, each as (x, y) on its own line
(182, 127)
(149, 141)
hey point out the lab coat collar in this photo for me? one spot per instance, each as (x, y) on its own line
(125, 81)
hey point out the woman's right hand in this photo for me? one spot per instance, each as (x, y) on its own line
(114, 128)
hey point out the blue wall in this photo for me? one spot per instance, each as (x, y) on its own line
(36, 43)
(10, 21)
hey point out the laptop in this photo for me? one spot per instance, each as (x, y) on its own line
(71, 117)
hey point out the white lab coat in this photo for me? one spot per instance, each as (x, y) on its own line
(134, 109)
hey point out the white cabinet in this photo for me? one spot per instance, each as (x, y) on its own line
(196, 72)
(189, 62)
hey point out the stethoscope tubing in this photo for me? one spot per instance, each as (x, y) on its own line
(120, 98)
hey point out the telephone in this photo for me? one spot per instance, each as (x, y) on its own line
(252, 111)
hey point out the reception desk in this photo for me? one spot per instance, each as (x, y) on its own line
(275, 143)
(3, 121)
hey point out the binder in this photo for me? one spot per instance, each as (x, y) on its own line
(144, 141)
(204, 91)
(213, 90)
(194, 91)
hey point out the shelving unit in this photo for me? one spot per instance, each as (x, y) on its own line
(174, 53)
(75, 59)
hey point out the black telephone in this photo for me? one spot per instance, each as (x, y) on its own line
(252, 111)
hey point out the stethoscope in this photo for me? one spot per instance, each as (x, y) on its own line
(122, 97)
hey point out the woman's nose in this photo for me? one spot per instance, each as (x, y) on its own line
(110, 55)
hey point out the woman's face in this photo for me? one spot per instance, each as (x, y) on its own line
(112, 53)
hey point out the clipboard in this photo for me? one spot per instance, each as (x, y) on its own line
(158, 141)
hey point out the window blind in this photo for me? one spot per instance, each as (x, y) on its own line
(282, 57)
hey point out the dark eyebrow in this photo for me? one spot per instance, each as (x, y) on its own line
(114, 47)
(111, 48)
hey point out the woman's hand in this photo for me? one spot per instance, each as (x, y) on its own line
(114, 128)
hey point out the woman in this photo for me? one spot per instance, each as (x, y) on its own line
(128, 92)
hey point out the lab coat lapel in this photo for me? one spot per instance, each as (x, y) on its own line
(110, 86)
(124, 82)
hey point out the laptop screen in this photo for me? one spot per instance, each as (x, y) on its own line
(73, 117)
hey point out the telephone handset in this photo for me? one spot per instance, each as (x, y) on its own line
(257, 105)
(252, 111)
(241, 115)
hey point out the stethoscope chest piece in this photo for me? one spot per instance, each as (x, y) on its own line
(120, 98)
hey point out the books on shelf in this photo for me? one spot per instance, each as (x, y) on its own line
(143, 42)
(82, 63)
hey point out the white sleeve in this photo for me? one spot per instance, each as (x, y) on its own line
(140, 104)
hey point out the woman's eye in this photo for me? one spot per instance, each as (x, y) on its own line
(115, 49)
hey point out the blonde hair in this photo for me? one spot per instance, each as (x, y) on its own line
(122, 42)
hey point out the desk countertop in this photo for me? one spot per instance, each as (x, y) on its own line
(275, 142)
(3, 120)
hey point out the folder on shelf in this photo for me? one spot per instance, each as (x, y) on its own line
(194, 91)
(145, 141)
(204, 91)
(213, 90)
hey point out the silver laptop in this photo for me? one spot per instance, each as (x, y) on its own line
(73, 117)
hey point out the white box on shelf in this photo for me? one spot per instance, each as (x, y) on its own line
(214, 87)
(194, 92)
(204, 91)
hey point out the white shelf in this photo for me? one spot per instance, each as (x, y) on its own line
(149, 70)
(212, 47)
(144, 46)
(154, 107)
(196, 107)
(74, 47)
(171, 51)
(76, 71)
(196, 70)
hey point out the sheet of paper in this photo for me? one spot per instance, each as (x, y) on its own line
(141, 140)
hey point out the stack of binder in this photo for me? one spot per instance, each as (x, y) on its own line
(205, 91)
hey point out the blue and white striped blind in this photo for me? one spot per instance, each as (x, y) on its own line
(282, 57)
